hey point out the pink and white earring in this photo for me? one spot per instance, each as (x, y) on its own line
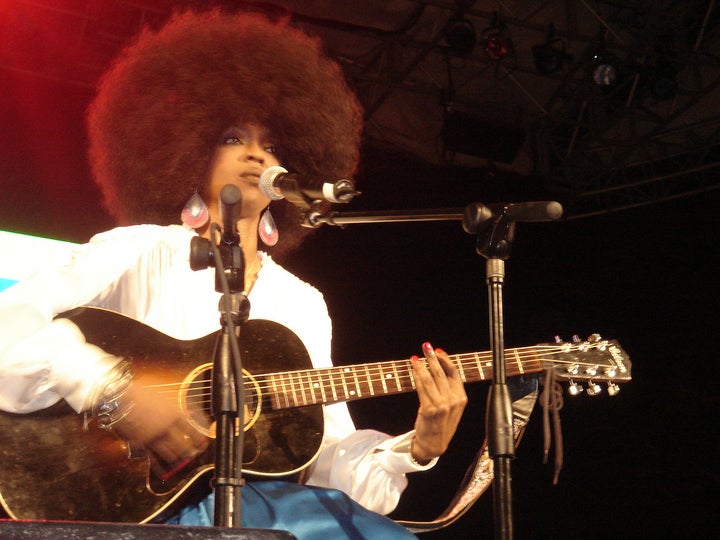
(195, 214)
(267, 230)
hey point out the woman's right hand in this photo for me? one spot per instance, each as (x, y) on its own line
(157, 426)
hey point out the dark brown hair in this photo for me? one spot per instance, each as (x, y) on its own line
(162, 107)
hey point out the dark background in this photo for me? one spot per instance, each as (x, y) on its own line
(642, 464)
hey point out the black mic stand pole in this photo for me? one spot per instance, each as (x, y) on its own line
(228, 395)
(227, 381)
(495, 246)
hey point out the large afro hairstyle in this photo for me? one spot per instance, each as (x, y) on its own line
(162, 107)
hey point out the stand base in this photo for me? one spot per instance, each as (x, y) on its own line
(77, 530)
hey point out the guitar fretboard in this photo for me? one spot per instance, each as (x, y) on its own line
(347, 383)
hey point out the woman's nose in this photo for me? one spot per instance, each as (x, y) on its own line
(253, 152)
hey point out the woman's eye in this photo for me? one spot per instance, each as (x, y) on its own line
(232, 140)
(270, 149)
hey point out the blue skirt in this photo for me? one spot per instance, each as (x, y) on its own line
(307, 512)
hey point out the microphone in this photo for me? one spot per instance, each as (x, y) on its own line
(476, 216)
(529, 211)
(230, 207)
(277, 183)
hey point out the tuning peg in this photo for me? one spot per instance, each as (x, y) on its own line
(574, 389)
(593, 389)
(594, 338)
(613, 389)
(610, 371)
(591, 370)
(576, 339)
(573, 369)
(558, 339)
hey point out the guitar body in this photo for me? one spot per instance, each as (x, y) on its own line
(51, 468)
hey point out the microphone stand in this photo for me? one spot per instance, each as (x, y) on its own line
(228, 395)
(495, 246)
(495, 230)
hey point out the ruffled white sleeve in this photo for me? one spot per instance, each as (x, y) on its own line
(368, 465)
(42, 359)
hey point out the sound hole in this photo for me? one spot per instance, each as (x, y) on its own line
(196, 400)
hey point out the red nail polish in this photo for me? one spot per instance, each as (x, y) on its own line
(414, 358)
(439, 350)
(427, 346)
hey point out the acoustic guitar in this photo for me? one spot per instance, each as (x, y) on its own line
(52, 467)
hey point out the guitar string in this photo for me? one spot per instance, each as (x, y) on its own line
(383, 369)
(302, 383)
(465, 359)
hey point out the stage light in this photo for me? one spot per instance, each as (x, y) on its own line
(604, 75)
(604, 68)
(496, 39)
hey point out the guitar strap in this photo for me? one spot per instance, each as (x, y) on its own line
(479, 475)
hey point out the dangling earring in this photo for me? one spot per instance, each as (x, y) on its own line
(195, 214)
(267, 229)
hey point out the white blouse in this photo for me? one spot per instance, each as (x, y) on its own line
(143, 272)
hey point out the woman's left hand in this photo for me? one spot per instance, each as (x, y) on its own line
(442, 401)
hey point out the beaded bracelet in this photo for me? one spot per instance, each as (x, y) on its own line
(109, 406)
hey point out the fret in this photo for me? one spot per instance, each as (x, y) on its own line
(284, 391)
(518, 361)
(408, 376)
(489, 365)
(303, 391)
(371, 386)
(344, 382)
(382, 379)
(357, 383)
(397, 377)
(459, 365)
(478, 363)
(275, 393)
(411, 373)
(332, 385)
(312, 386)
(320, 384)
(292, 388)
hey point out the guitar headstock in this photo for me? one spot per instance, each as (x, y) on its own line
(590, 362)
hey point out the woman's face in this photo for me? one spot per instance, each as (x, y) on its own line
(243, 153)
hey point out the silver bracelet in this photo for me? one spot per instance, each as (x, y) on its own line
(405, 447)
(110, 405)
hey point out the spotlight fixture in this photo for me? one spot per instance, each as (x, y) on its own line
(603, 68)
(496, 39)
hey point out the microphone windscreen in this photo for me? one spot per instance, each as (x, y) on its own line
(267, 181)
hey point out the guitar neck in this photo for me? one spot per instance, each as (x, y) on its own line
(360, 381)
